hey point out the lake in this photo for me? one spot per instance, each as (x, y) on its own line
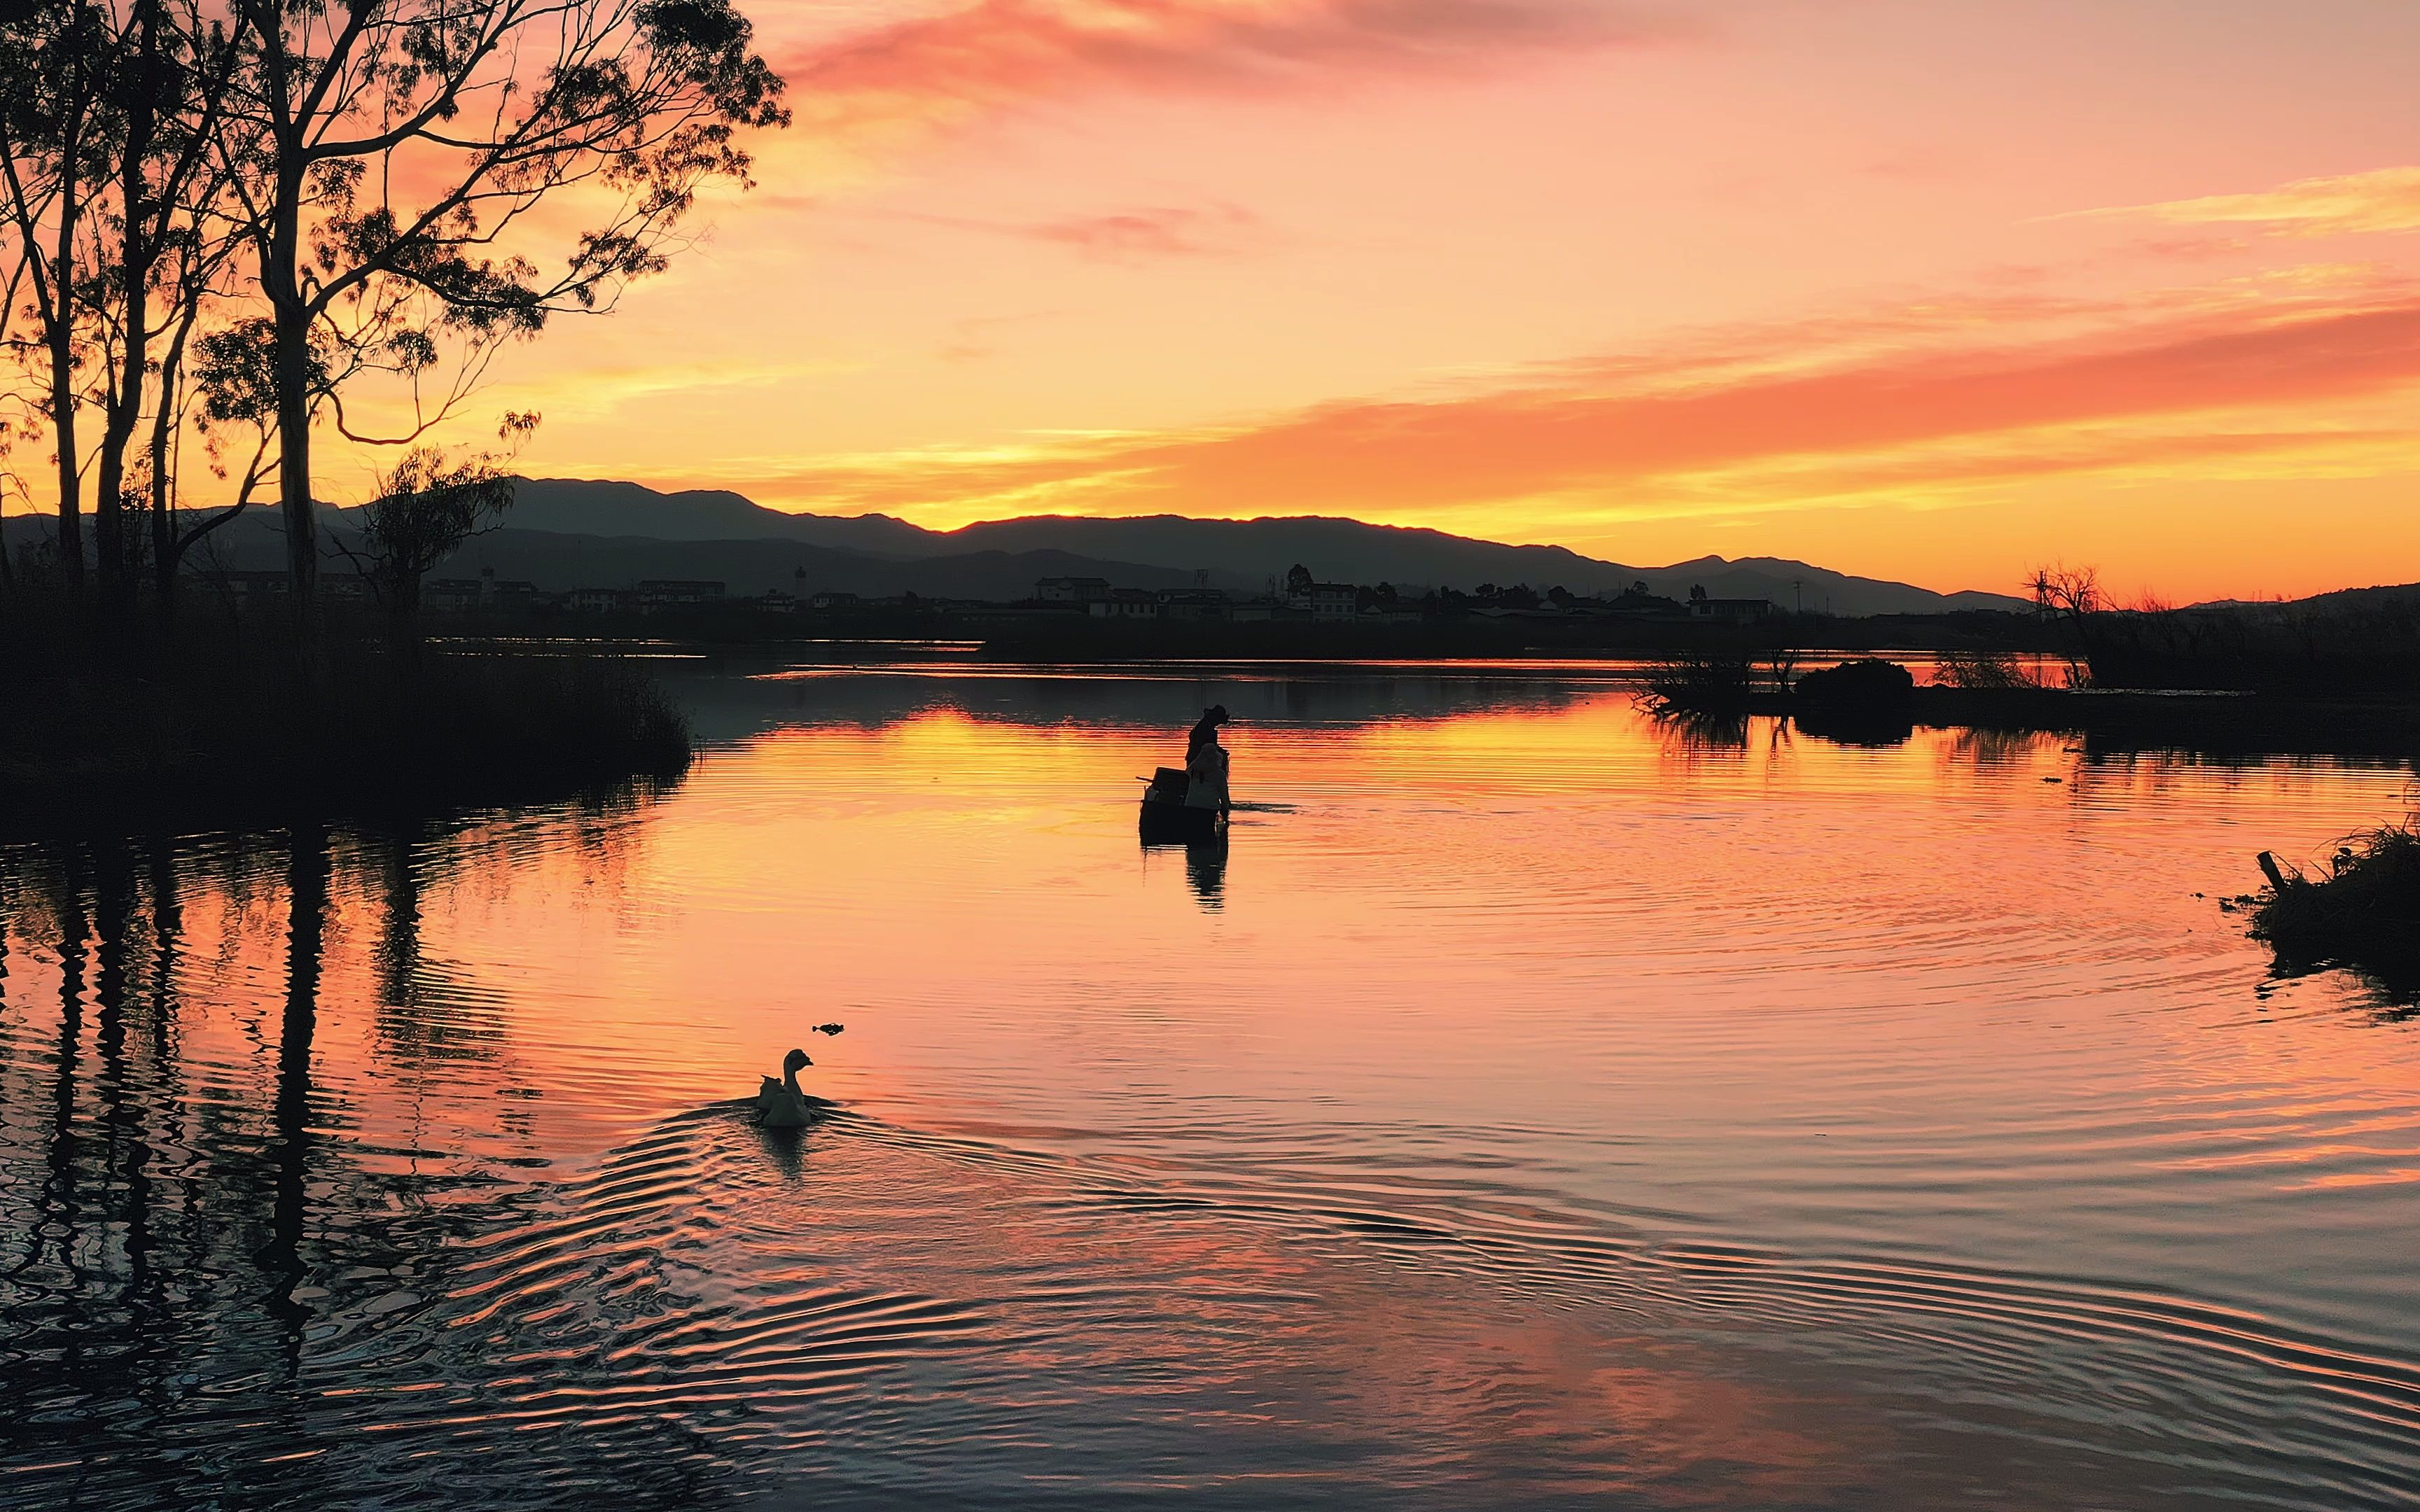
(1530, 1104)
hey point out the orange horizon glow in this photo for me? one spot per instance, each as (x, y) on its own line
(1914, 292)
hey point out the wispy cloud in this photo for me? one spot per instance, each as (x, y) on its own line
(996, 53)
(1833, 411)
(1134, 235)
(1151, 232)
(2386, 199)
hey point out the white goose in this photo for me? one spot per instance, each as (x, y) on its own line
(780, 1105)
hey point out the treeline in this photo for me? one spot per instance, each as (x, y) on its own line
(228, 227)
(2365, 643)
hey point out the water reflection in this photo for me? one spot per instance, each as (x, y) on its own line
(1868, 728)
(1205, 866)
(220, 1266)
(1551, 1108)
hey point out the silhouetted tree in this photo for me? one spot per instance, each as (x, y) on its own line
(487, 108)
(2072, 593)
(2073, 596)
(52, 155)
(1298, 579)
(167, 239)
(426, 509)
(111, 178)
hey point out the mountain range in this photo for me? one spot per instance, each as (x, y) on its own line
(607, 533)
(563, 533)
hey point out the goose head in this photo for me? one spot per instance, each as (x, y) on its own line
(793, 1063)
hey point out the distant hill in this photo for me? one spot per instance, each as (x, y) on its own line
(572, 534)
(2386, 595)
(556, 562)
(1236, 554)
(568, 506)
(559, 562)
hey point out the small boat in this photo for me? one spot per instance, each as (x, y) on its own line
(1168, 819)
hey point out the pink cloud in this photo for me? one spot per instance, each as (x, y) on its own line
(1906, 416)
(1002, 51)
(1149, 232)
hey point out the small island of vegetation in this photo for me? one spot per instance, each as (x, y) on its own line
(2363, 912)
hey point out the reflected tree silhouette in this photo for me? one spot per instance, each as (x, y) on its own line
(307, 887)
(192, 1258)
(1691, 733)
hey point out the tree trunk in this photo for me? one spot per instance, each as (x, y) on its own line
(163, 519)
(167, 553)
(125, 406)
(63, 418)
(292, 378)
(403, 623)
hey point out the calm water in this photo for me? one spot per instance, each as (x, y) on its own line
(1531, 1106)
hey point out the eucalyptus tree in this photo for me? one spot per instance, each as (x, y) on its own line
(112, 157)
(159, 268)
(397, 153)
(51, 161)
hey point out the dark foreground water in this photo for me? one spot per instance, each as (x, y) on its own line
(1528, 1107)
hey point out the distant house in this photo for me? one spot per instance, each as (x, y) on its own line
(657, 594)
(1072, 590)
(1127, 604)
(1327, 603)
(244, 586)
(1745, 610)
(451, 595)
(1192, 604)
(778, 602)
(338, 587)
(599, 601)
(487, 590)
(828, 601)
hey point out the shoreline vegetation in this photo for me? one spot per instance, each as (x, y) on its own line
(2329, 676)
(227, 722)
(211, 710)
(2216, 721)
(2363, 912)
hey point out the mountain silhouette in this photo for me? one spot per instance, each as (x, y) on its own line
(563, 533)
(1242, 554)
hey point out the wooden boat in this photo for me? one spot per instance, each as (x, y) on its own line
(1168, 820)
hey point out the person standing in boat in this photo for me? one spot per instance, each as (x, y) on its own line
(1205, 764)
(1206, 727)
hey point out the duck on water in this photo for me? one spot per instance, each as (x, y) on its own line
(1190, 802)
(780, 1105)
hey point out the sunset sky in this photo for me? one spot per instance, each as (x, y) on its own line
(1926, 290)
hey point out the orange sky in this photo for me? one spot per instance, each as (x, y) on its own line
(1927, 291)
